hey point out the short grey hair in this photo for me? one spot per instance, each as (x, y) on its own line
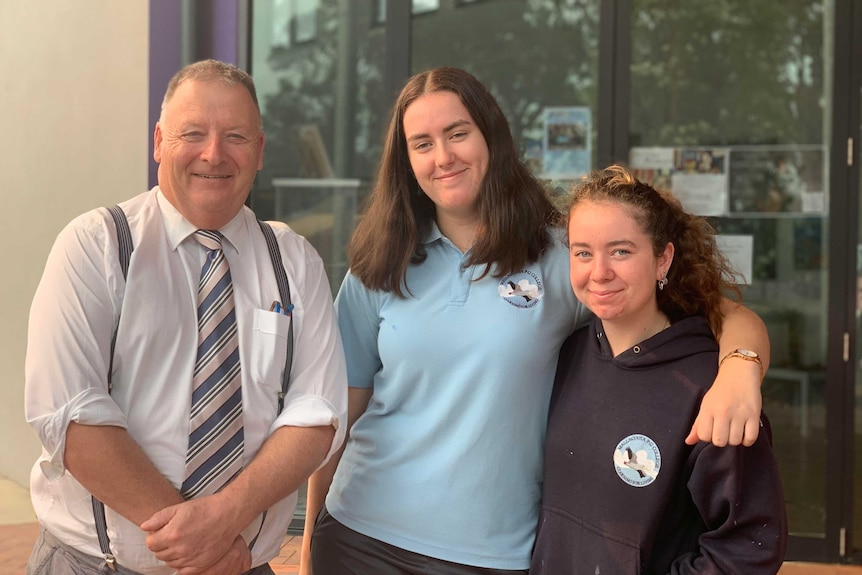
(209, 71)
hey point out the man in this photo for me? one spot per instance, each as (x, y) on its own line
(181, 493)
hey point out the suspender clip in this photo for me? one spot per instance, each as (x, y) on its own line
(111, 562)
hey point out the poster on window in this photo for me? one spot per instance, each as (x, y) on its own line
(739, 251)
(566, 143)
(652, 166)
(699, 180)
(777, 179)
(696, 176)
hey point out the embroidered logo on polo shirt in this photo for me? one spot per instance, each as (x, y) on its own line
(521, 289)
(637, 460)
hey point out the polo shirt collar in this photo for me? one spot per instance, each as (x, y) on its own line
(433, 234)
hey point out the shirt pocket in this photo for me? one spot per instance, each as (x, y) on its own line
(269, 349)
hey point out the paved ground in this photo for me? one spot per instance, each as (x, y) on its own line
(16, 541)
(18, 531)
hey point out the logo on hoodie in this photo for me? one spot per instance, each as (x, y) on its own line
(637, 460)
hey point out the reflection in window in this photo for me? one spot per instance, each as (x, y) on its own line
(280, 22)
(423, 6)
(289, 21)
(418, 7)
(545, 78)
(750, 80)
(324, 109)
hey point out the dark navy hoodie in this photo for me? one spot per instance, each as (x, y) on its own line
(623, 493)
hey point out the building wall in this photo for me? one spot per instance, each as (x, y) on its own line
(73, 87)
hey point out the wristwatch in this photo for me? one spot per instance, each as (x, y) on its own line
(745, 354)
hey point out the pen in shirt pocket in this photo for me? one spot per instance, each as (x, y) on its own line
(278, 308)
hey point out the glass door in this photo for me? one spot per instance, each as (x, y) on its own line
(318, 67)
(730, 108)
(854, 403)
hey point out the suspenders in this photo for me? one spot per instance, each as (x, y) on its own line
(126, 246)
(284, 292)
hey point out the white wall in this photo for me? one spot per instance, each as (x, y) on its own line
(73, 136)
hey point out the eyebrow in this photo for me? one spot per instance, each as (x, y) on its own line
(449, 128)
(611, 244)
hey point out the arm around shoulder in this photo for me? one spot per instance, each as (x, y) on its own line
(730, 411)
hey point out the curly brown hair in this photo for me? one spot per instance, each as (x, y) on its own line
(514, 208)
(700, 275)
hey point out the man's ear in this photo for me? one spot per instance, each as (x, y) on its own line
(157, 144)
(262, 144)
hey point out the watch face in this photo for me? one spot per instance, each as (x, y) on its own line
(746, 353)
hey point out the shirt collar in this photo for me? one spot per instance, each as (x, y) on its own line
(433, 234)
(178, 228)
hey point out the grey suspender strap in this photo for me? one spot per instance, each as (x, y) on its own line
(125, 246)
(124, 242)
(284, 292)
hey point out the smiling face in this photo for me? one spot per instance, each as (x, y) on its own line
(447, 152)
(209, 146)
(613, 268)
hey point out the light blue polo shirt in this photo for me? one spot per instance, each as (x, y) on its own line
(447, 459)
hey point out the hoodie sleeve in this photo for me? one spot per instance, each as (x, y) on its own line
(739, 495)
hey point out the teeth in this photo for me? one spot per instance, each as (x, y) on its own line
(212, 177)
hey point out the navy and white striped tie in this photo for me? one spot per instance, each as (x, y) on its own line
(215, 433)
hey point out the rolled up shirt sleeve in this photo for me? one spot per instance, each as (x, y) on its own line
(72, 318)
(317, 395)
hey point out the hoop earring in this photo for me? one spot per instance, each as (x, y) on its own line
(662, 282)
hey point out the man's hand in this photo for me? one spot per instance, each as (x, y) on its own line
(730, 411)
(195, 536)
(236, 561)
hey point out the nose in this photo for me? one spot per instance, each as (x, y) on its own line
(443, 156)
(601, 271)
(212, 150)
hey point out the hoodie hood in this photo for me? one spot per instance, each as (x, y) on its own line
(687, 337)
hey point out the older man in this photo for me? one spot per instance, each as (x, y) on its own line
(188, 448)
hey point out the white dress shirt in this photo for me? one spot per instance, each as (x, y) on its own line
(80, 299)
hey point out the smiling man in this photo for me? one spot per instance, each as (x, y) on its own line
(178, 428)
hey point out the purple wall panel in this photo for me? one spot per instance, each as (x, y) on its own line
(165, 60)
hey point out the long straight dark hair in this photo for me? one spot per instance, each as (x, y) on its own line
(514, 207)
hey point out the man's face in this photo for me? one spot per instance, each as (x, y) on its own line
(209, 146)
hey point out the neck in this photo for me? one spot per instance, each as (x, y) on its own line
(625, 335)
(461, 231)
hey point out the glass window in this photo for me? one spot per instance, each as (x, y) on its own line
(305, 19)
(539, 59)
(417, 7)
(324, 112)
(729, 109)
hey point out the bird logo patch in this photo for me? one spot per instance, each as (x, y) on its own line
(637, 460)
(521, 289)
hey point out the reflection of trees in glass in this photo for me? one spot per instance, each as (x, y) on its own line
(727, 72)
(530, 54)
(329, 90)
(308, 94)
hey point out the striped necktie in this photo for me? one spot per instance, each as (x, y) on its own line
(215, 433)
